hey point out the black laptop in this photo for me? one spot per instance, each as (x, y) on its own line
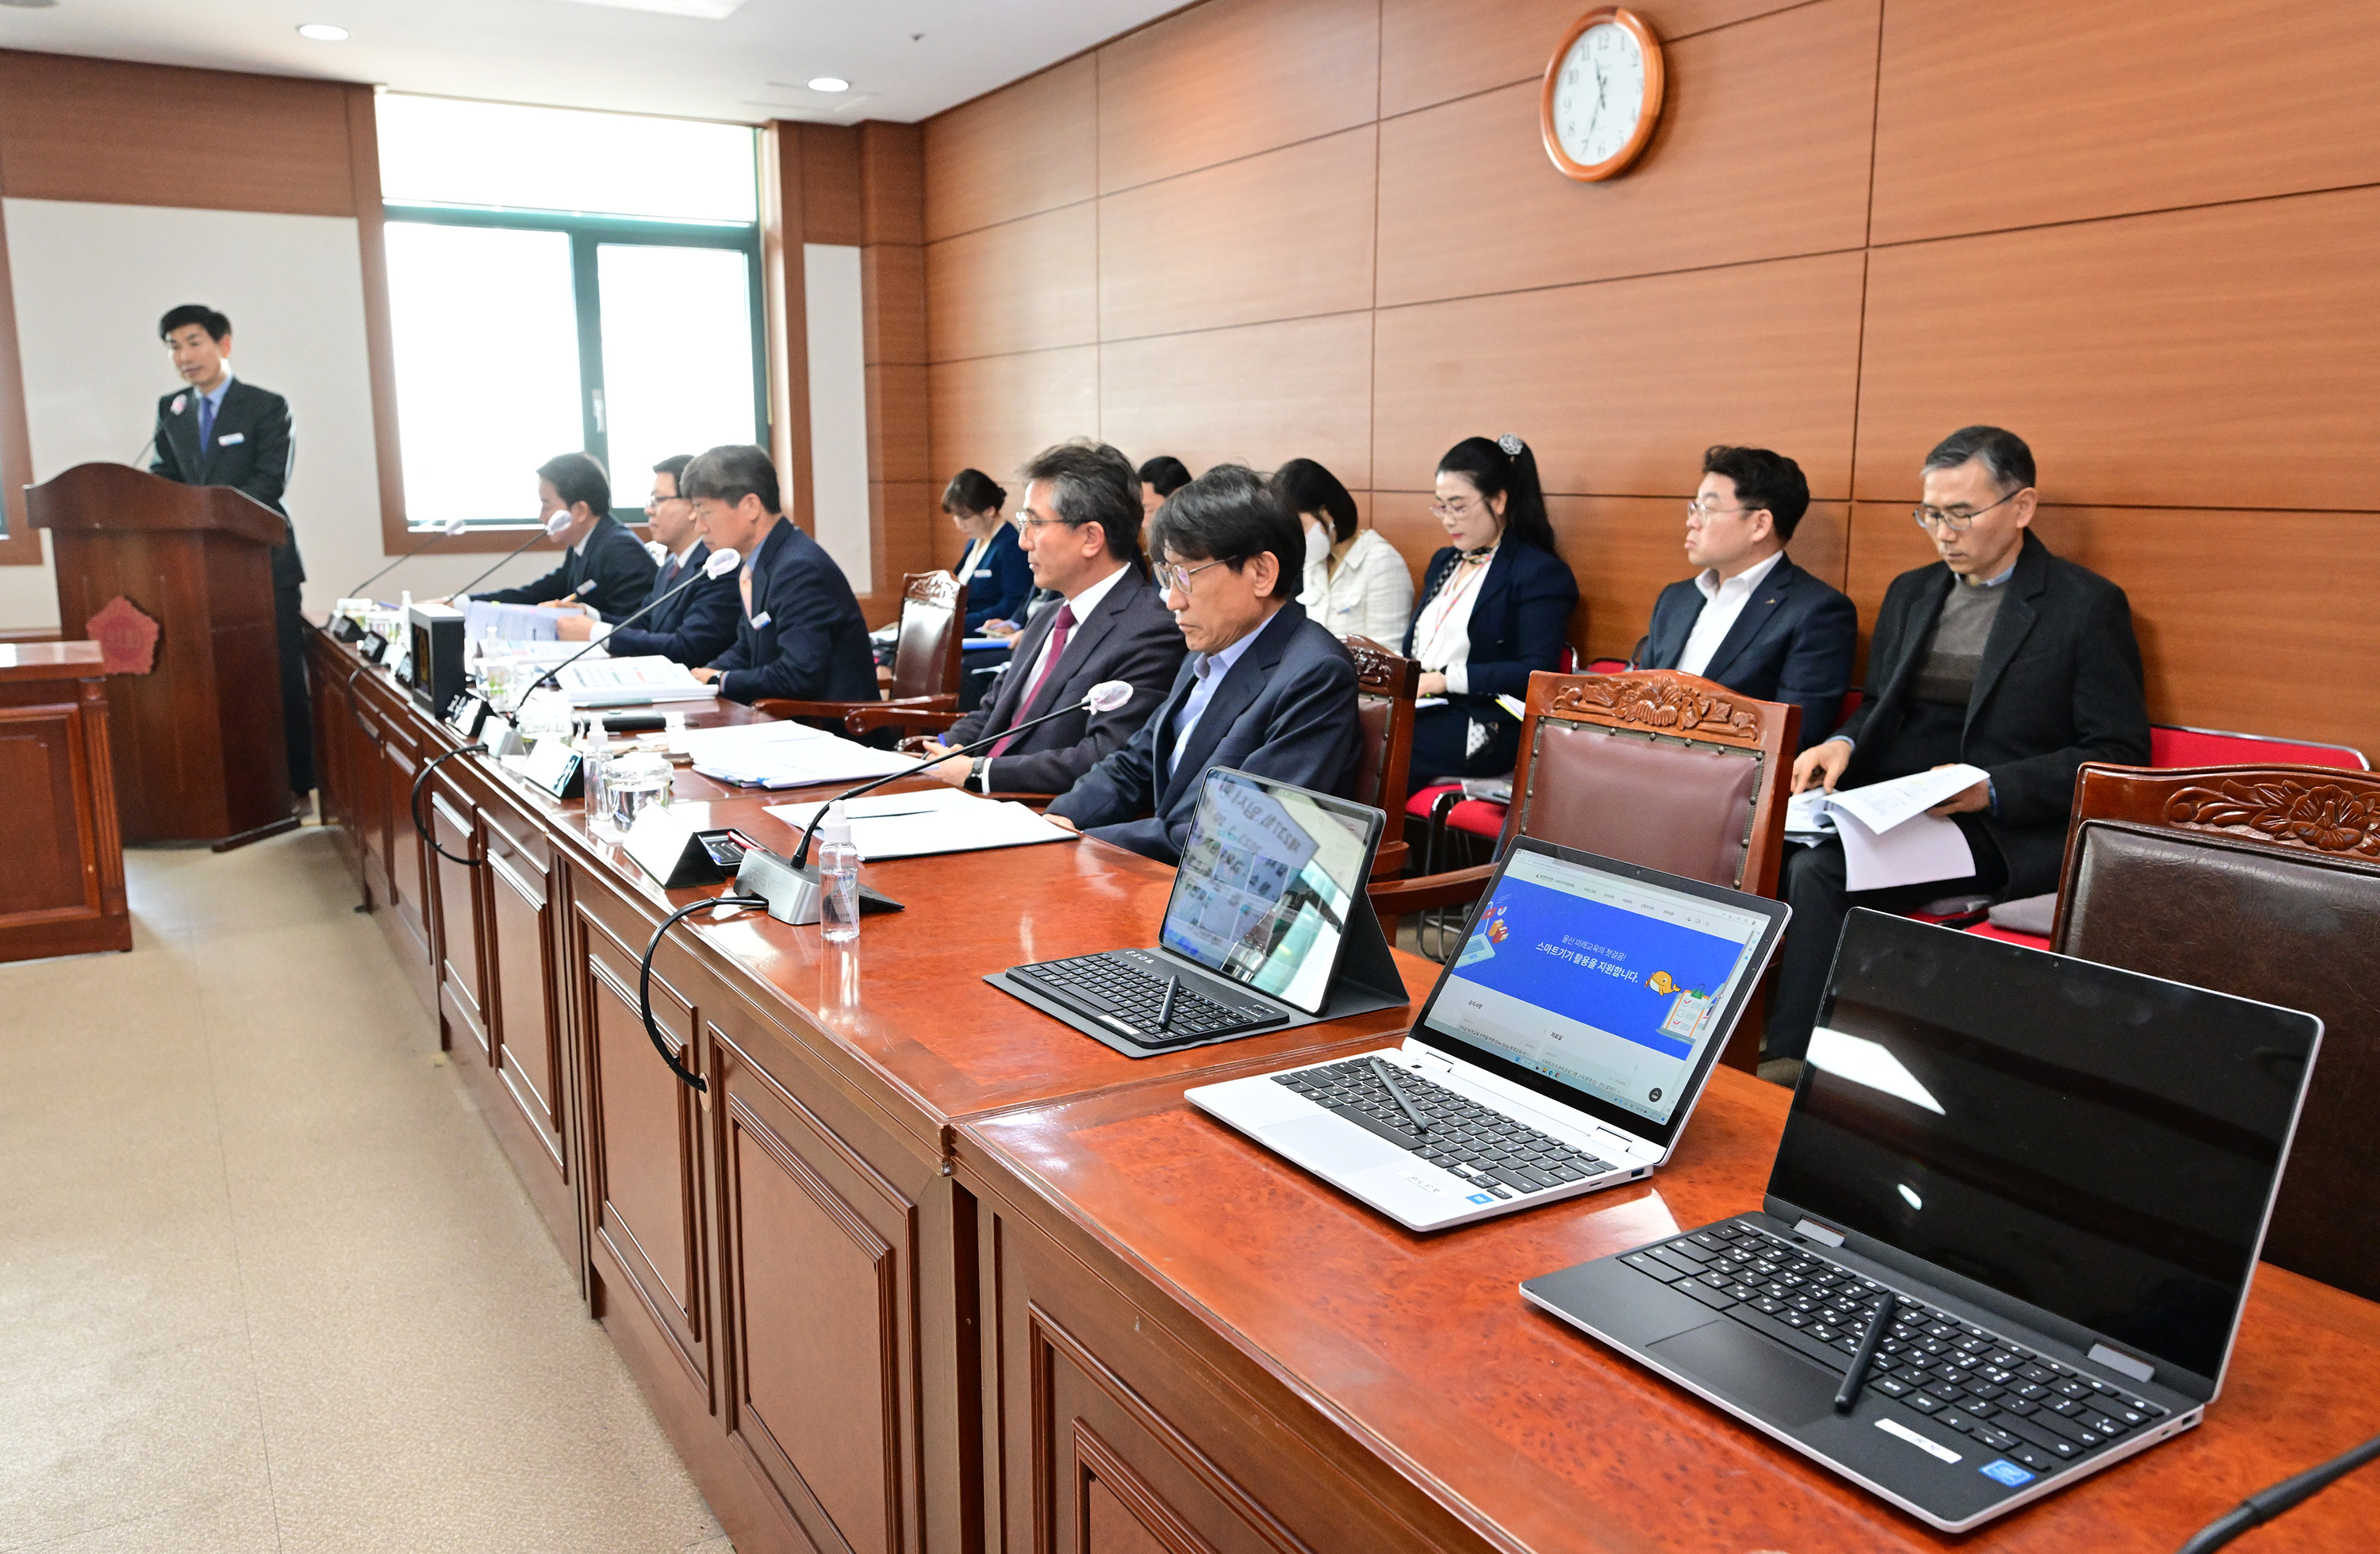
(2041, 1183)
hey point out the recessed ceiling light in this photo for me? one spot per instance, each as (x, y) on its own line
(827, 83)
(323, 33)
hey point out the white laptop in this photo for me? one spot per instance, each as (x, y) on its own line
(1561, 1052)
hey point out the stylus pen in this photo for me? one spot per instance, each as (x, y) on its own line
(1848, 1393)
(1165, 1010)
(1399, 1096)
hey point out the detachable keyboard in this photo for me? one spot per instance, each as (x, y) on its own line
(2021, 1403)
(1120, 988)
(1500, 1156)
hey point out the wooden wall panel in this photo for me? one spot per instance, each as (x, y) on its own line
(1433, 52)
(2214, 632)
(1024, 285)
(20, 545)
(1229, 79)
(122, 134)
(2123, 108)
(831, 185)
(1261, 395)
(1726, 178)
(1024, 148)
(891, 182)
(2152, 360)
(1280, 236)
(1621, 386)
(893, 279)
(898, 398)
(995, 412)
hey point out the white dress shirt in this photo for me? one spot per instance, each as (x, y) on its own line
(1370, 595)
(1722, 603)
(1081, 605)
(1442, 635)
(1209, 673)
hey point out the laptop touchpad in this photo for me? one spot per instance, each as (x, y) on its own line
(1748, 1369)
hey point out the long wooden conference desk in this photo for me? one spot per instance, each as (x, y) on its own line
(926, 1271)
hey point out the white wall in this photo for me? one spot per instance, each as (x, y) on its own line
(838, 368)
(91, 283)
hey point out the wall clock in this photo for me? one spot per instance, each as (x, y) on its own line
(1602, 95)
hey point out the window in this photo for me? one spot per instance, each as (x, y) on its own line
(562, 280)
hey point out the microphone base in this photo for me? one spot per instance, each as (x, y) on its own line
(346, 628)
(792, 893)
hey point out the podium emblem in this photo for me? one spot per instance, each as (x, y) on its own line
(126, 637)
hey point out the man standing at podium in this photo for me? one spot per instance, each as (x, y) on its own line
(221, 432)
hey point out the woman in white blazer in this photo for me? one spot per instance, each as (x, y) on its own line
(1356, 583)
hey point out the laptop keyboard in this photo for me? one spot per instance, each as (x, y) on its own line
(1118, 994)
(2015, 1400)
(1501, 1157)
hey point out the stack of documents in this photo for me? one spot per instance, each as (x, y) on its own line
(1888, 837)
(511, 623)
(595, 681)
(785, 755)
(941, 821)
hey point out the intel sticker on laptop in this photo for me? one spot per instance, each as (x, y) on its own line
(2006, 1471)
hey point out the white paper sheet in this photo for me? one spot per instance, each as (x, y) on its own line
(608, 682)
(876, 807)
(1883, 805)
(786, 755)
(971, 826)
(1922, 847)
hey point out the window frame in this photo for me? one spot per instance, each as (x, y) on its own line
(587, 234)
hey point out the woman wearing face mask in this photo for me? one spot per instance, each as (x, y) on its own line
(1356, 584)
(997, 576)
(1494, 605)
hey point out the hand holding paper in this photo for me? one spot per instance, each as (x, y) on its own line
(1892, 832)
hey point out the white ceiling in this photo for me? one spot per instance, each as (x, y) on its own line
(906, 59)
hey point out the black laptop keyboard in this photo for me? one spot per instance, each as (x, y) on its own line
(2026, 1406)
(1120, 994)
(1474, 1142)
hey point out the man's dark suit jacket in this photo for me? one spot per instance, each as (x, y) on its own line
(1285, 710)
(805, 638)
(695, 627)
(1793, 642)
(1519, 622)
(253, 451)
(2059, 685)
(615, 558)
(1130, 637)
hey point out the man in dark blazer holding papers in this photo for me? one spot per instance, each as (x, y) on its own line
(2004, 657)
(222, 430)
(606, 567)
(1080, 531)
(801, 636)
(1264, 689)
(1751, 620)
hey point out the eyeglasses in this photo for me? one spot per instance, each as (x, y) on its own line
(1175, 577)
(1031, 525)
(1454, 509)
(1698, 508)
(1958, 523)
(657, 499)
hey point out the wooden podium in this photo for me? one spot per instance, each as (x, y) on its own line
(175, 583)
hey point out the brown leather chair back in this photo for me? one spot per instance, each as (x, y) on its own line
(1385, 687)
(933, 635)
(1653, 767)
(2264, 882)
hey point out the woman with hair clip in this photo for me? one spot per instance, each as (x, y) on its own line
(1494, 605)
(999, 579)
(1356, 584)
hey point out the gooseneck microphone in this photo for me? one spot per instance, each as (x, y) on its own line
(1105, 696)
(553, 529)
(720, 564)
(451, 527)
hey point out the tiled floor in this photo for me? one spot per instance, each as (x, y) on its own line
(265, 1282)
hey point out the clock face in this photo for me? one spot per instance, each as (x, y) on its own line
(1602, 93)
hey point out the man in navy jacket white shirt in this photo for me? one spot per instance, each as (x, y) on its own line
(692, 626)
(1264, 689)
(1751, 620)
(800, 636)
(606, 567)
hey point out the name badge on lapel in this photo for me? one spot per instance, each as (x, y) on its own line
(759, 620)
(228, 438)
(175, 408)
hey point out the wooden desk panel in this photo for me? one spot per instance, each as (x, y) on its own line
(62, 889)
(1197, 1328)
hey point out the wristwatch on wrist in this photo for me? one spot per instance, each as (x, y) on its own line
(979, 775)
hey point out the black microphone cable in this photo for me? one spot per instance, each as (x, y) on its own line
(645, 981)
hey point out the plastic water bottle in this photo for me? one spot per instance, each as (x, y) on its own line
(838, 864)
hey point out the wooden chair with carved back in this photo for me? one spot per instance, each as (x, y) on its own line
(2262, 881)
(926, 655)
(1651, 767)
(1386, 685)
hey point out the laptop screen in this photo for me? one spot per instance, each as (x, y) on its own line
(2096, 1143)
(1266, 884)
(1612, 981)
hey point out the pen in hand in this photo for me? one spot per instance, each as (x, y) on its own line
(1165, 1010)
(1848, 1393)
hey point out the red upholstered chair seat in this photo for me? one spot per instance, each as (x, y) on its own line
(2171, 747)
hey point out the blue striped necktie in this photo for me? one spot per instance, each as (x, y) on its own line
(206, 424)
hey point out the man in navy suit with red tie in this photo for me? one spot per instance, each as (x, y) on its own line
(223, 431)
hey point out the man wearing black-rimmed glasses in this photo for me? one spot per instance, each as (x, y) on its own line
(2005, 657)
